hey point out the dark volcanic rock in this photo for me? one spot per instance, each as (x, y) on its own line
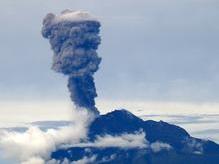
(115, 123)
(185, 149)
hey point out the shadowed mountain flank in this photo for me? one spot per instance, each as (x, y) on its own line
(183, 148)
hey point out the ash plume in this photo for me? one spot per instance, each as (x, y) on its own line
(74, 38)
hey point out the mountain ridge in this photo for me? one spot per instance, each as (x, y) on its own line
(184, 147)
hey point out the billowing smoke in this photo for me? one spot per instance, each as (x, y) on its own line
(74, 38)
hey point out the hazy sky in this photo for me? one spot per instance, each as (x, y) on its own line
(159, 57)
(152, 50)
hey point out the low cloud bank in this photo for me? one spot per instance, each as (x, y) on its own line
(135, 140)
(34, 146)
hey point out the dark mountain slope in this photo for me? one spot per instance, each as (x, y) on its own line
(185, 149)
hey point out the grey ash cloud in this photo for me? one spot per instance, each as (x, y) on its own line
(74, 38)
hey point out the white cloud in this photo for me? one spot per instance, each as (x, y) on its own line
(158, 146)
(85, 160)
(34, 144)
(107, 159)
(53, 161)
(127, 140)
(34, 160)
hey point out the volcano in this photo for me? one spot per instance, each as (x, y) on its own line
(119, 136)
(183, 147)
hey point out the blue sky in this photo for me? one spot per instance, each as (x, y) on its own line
(160, 50)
